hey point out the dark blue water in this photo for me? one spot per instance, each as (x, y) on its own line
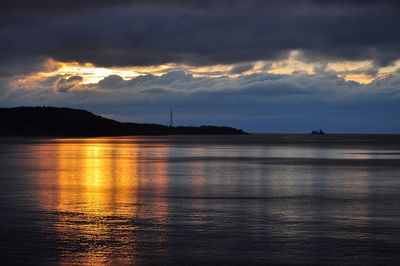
(198, 200)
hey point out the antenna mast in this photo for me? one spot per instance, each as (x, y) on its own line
(171, 117)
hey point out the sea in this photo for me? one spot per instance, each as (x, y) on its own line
(260, 199)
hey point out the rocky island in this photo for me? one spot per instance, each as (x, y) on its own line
(53, 121)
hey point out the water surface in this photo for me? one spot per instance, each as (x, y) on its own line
(169, 200)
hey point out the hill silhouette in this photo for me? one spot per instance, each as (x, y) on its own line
(52, 121)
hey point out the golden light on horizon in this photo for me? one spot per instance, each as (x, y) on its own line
(91, 74)
(293, 64)
(348, 66)
(359, 78)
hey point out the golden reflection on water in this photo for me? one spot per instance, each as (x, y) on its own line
(95, 198)
(107, 198)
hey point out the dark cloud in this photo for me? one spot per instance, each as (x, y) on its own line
(112, 81)
(240, 68)
(66, 84)
(112, 33)
(19, 65)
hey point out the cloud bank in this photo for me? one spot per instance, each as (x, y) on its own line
(258, 102)
(123, 33)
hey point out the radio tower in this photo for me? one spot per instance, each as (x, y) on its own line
(171, 117)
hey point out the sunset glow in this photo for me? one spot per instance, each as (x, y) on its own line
(188, 132)
(357, 71)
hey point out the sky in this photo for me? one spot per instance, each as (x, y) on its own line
(259, 65)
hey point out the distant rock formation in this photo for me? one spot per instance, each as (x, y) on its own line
(52, 121)
(318, 132)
